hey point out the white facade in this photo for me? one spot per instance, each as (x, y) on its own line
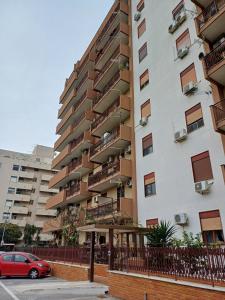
(24, 183)
(171, 162)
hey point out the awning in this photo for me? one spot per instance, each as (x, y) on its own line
(116, 228)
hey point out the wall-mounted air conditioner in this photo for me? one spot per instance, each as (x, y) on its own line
(181, 219)
(203, 187)
(137, 16)
(181, 53)
(143, 121)
(180, 135)
(190, 88)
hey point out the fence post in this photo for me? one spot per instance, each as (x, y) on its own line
(111, 253)
(210, 266)
(92, 257)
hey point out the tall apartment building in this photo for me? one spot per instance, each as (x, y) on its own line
(96, 141)
(181, 164)
(148, 81)
(24, 180)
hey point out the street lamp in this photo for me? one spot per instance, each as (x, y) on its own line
(8, 205)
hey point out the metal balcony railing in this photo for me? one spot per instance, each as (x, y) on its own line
(100, 118)
(74, 164)
(219, 111)
(102, 210)
(104, 141)
(106, 172)
(210, 11)
(73, 189)
(215, 56)
(76, 141)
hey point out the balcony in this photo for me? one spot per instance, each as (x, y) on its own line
(83, 104)
(68, 84)
(118, 59)
(67, 104)
(46, 212)
(114, 115)
(79, 167)
(21, 185)
(43, 200)
(77, 192)
(210, 22)
(19, 222)
(46, 177)
(20, 197)
(56, 200)
(59, 179)
(109, 208)
(118, 84)
(46, 189)
(85, 64)
(215, 64)
(24, 174)
(20, 210)
(110, 176)
(53, 225)
(111, 145)
(39, 224)
(85, 83)
(74, 130)
(218, 113)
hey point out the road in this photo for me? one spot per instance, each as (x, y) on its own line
(50, 288)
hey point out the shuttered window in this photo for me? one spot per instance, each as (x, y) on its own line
(141, 28)
(178, 9)
(194, 118)
(201, 166)
(146, 109)
(211, 225)
(142, 52)
(147, 144)
(151, 223)
(149, 184)
(144, 79)
(188, 75)
(140, 5)
(183, 40)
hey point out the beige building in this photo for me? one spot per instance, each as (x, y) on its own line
(24, 188)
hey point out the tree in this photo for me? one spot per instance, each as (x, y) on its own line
(29, 232)
(189, 240)
(161, 235)
(12, 233)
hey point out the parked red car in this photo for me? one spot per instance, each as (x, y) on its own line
(23, 264)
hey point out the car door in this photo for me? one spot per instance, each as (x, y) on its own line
(21, 265)
(7, 264)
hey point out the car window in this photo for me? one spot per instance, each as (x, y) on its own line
(20, 258)
(34, 258)
(7, 257)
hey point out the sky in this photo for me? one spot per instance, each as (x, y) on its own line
(40, 40)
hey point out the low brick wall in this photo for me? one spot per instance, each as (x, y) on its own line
(130, 287)
(69, 272)
(101, 274)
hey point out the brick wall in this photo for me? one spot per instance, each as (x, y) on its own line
(131, 287)
(69, 272)
(101, 274)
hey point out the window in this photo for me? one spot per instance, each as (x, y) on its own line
(183, 40)
(6, 216)
(8, 203)
(149, 184)
(147, 144)
(142, 52)
(7, 257)
(141, 28)
(201, 166)
(188, 75)
(11, 190)
(13, 178)
(23, 168)
(150, 223)
(144, 79)
(194, 118)
(178, 9)
(146, 109)
(20, 258)
(141, 5)
(15, 167)
(211, 225)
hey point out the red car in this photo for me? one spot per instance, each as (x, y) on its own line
(22, 264)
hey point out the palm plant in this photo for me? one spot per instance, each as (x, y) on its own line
(161, 235)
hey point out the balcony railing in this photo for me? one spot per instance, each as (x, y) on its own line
(210, 11)
(219, 111)
(107, 87)
(76, 141)
(73, 165)
(215, 56)
(106, 172)
(73, 190)
(82, 81)
(102, 210)
(76, 122)
(79, 101)
(100, 118)
(104, 142)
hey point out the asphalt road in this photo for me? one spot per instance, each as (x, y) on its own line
(50, 288)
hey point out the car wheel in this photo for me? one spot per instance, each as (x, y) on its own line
(33, 274)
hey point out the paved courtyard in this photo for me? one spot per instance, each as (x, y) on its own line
(50, 288)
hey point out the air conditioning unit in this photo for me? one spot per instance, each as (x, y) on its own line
(110, 159)
(143, 121)
(181, 219)
(181, 53)
(128, 150)
(137, 16)
(203, 187)
(173, 27)
(190, 88)
(181, 135)
(129, 183)
(181, 17)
